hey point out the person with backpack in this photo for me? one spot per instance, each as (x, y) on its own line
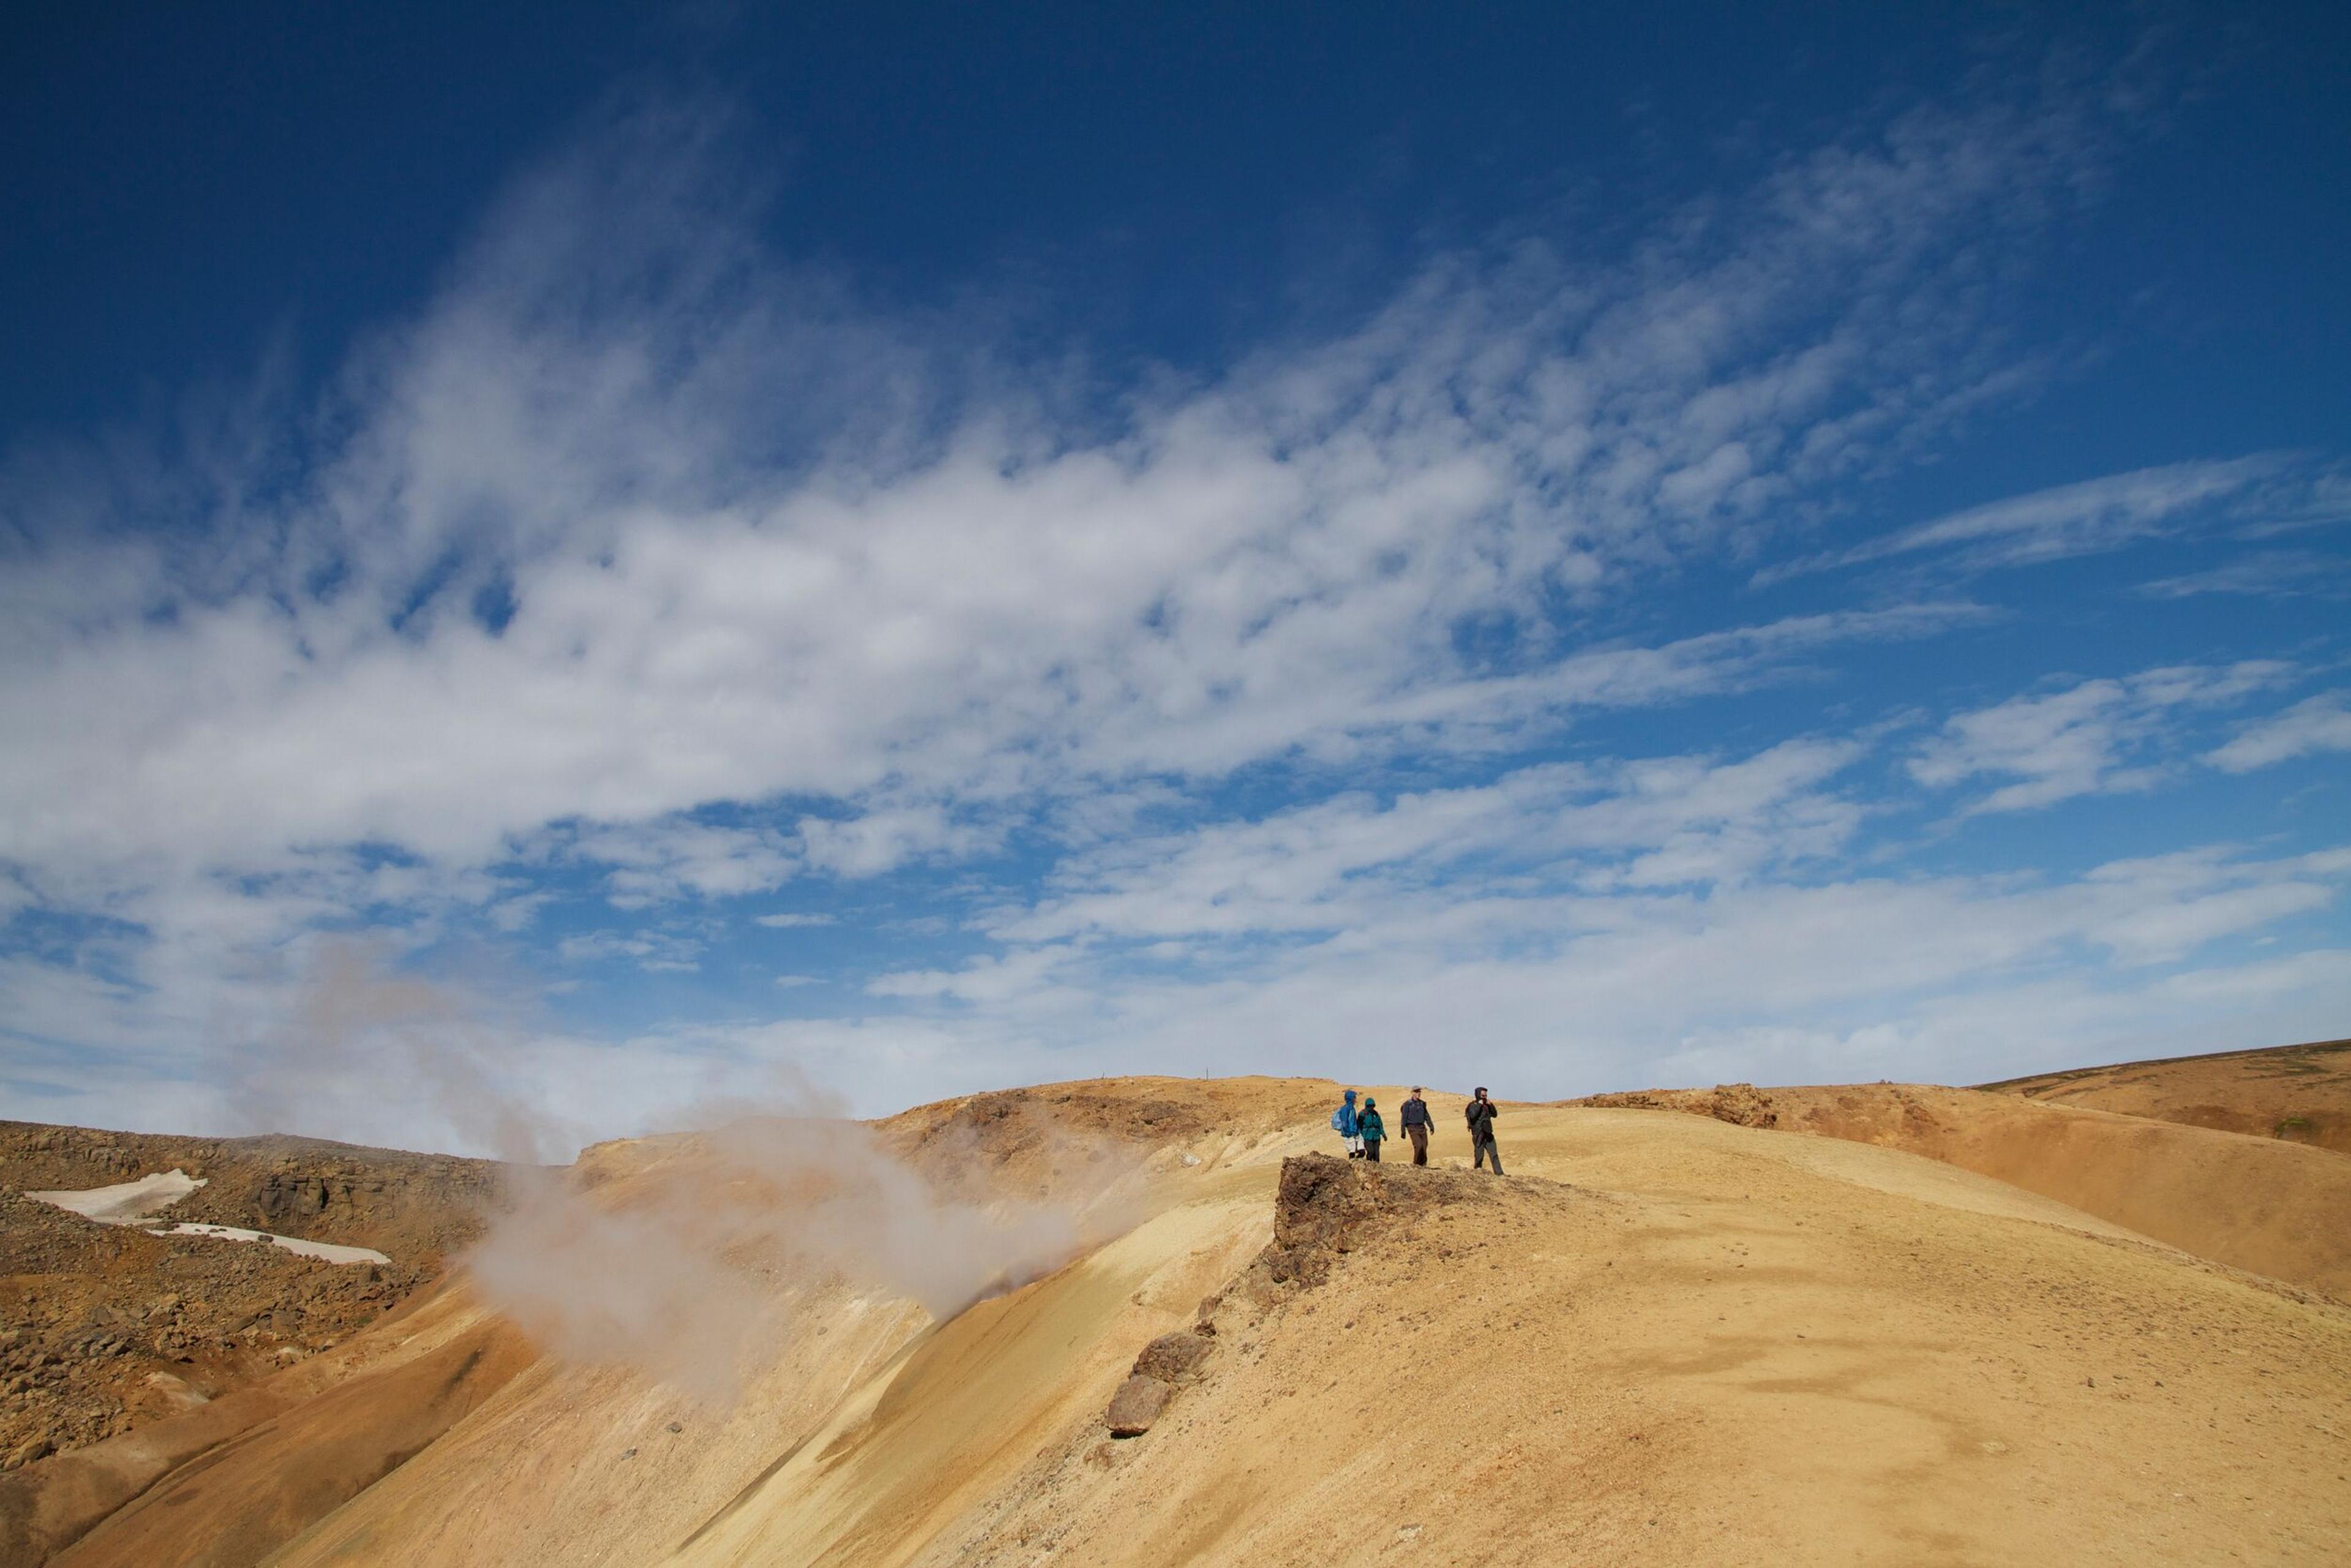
(1343, 1121)
(1417, 1126)
(1373, 1131)
(1480, 1114)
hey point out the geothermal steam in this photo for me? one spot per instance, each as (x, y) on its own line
(691, 1265)
(686, 1256)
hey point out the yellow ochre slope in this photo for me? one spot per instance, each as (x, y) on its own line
(1663, 1338)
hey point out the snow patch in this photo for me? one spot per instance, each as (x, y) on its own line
(125, 1203)
(326, 1252)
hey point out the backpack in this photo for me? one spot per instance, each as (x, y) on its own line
(1338, 1123)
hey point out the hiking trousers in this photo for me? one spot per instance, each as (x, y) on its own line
(1371, 1150)
(1419, 1136)
(1482, 1146)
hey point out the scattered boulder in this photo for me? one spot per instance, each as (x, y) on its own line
(1136, 1406)
(1173, 1357)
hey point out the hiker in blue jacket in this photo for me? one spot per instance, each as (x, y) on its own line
(1342, 1121)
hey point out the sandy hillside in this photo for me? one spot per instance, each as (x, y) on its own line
(2259, 1203)
(2300, 1093)
(1664, 1338)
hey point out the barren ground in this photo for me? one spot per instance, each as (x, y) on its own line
(2300, 1093)
(1664, 1338)
(104, 1329)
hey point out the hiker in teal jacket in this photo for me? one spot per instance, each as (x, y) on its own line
(1373, 1131)
(1343, 1121)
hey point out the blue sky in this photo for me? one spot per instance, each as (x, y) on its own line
(896, 550)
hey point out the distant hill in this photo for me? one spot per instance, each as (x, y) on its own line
(2300, 1093)
(107, 1329)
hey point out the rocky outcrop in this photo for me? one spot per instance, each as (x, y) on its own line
(1327, 1207)
(1741, 1104)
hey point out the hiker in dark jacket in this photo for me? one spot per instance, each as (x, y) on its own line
(1480, 1113)
(1371, 1129)
(1416, 1126)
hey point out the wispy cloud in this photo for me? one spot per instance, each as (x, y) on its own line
(2082, 519)
(2316, 725)
(2095, 737)
(2268, 574)
(939, 579)
(652, 951)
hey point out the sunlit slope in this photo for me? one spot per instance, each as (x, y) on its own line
(1718, 1345)
(2276, 1209)
(234, 1504)
(2298, 1093)
(922, 1447)
(578, 1465)
(227, 1481)
(1665, 1338)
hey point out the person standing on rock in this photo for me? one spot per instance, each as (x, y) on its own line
(1342, 1121)
(1372, 1131)
(1415, 1125)
(1481, 1114)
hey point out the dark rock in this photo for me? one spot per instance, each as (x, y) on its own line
(1136, 1406)
(1325, 1206)
(1173, 1357)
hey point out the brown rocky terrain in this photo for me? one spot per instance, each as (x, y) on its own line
(110, 1326)
(105, 1328)
(2299, 1093)
(416, 1208)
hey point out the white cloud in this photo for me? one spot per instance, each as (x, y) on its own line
(2100, 737)
(2268, 574)
(793, 921)
(2316, 725)
(1335, 864)
(760, 543)
(653, 861)
(1557, 991)
(2082, 518)
(884, 840)
(652, 951)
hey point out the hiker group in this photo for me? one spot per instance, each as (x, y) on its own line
(1365, 1130)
